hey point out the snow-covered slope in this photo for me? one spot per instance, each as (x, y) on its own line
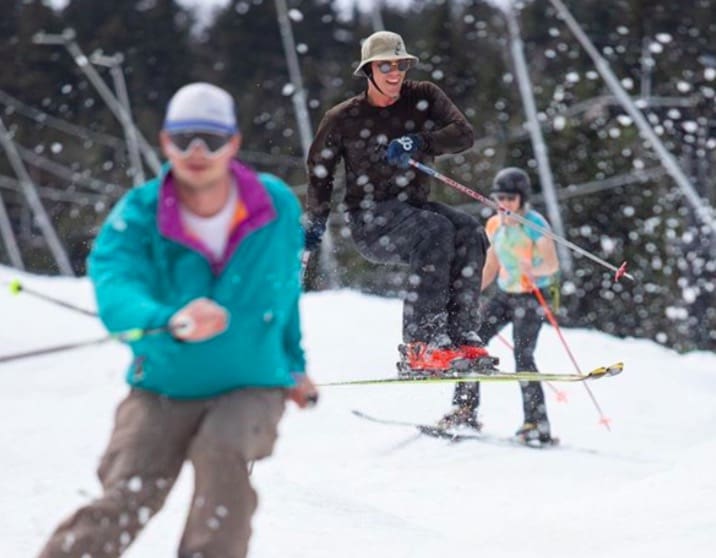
(339, 486)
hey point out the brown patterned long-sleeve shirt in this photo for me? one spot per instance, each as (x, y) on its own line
(358, 133)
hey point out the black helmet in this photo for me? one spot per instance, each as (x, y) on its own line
(512, 180)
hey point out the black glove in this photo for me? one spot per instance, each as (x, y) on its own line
(400, 150)
(313, 233)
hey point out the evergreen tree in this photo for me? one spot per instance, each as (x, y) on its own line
(243, 52)
(153, 36)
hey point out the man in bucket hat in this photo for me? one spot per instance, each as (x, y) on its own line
(383, 46)
(376, 133)
(207, 255)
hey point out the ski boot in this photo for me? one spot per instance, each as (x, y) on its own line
(461, 416)
(479, 359)
(535, 434)
(420, 360)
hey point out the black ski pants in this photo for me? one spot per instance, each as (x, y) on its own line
(526, 315)
(445, 250)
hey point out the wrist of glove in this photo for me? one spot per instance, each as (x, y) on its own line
(400, 150)
(304, 393)
(313, 233)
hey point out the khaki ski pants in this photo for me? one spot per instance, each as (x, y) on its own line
(152, 438)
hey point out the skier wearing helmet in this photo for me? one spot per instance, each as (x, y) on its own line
(520, 258)
(376, 133)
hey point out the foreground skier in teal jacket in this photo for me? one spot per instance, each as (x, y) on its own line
(209, 253)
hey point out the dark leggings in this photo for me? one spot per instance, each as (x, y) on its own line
(526, 315)
(445, 250)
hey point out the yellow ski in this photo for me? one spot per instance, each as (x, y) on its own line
(482, 376)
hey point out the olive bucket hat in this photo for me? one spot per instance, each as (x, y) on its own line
(383, 45)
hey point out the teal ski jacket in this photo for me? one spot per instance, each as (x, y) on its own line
(145, 267)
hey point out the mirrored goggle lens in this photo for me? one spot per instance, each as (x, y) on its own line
(213, 143)
(401, 65)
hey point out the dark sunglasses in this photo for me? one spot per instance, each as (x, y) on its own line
(506, 197)
(213, 144)
(387, 67)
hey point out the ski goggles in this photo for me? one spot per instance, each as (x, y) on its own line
(213, 144)
(505, 197)
(386, 66)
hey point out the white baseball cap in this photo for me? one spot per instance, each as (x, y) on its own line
(201, 107)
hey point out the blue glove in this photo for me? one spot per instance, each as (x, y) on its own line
(401, 150)
(313, 233)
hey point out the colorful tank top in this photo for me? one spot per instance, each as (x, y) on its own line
(513, 244)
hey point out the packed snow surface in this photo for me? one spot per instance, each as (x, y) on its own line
(340, 486)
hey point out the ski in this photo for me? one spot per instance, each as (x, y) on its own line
(488, 376)
(456, 437)
(452, 436)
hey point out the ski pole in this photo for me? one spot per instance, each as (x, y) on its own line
(125, 336)
(16, 287)
(619, 272)
(305, 259)
(553, 321)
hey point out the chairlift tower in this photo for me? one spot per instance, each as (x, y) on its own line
(294, 71)
(114, 63)
(376, 17)
(42, 219)
(8, 237)
(327, 259)
(67, 39)
(702, 210)
(535, 130)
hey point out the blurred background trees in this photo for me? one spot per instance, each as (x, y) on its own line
(615, 198)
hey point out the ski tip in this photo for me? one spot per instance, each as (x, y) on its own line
(602, 371)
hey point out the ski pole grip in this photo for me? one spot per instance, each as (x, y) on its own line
(182, 326)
